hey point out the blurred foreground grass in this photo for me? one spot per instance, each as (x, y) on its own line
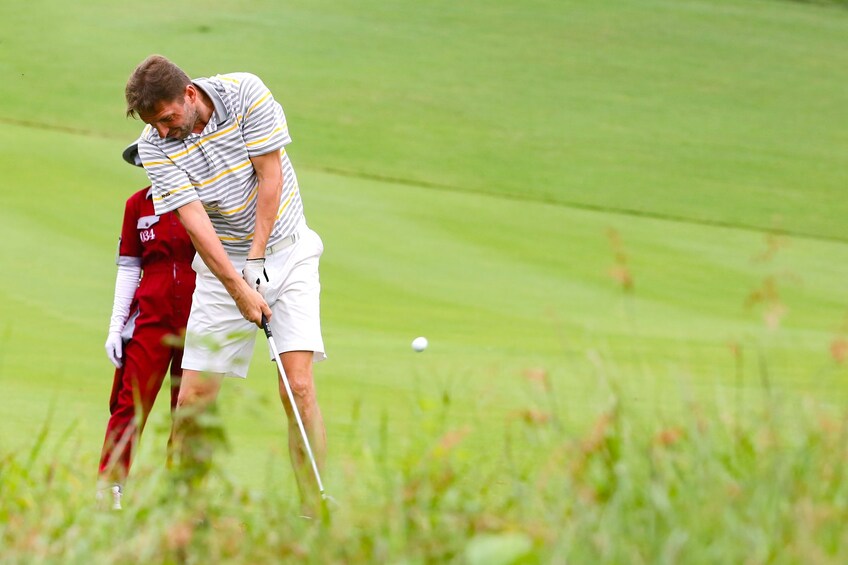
(711, 484)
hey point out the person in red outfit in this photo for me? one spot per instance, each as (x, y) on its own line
(153, 291)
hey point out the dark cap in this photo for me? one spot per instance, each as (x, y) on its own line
(130, 154)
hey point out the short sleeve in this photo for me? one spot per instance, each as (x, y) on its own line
(172, 188)
(263, 122)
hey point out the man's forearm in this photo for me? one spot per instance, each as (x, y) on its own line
(249, 302)
(208, 246)
(270, 188)
(268, 200)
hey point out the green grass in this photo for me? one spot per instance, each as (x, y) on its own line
(482, 174)
(765, 485)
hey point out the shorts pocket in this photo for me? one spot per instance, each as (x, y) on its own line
(319, 243)
(197, 265)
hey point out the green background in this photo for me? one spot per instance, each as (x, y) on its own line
(470, 167)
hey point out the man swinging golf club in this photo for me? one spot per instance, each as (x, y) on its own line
(214, 150)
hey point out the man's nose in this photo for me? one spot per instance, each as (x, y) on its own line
(162, 131)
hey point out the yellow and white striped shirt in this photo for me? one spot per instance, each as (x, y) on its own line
(214, 166)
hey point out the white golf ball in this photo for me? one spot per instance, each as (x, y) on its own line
(419, 343)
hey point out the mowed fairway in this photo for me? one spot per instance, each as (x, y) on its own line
(488, 175)
(499, 286)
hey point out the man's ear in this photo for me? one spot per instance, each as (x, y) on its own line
(191, 93)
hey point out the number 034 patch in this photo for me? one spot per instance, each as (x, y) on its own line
(145, 224)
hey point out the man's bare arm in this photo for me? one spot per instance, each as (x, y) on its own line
(269, 171)
(250, 303)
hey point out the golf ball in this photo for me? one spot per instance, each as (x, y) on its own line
(419, 343)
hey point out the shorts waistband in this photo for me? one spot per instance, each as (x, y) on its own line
(284, 243)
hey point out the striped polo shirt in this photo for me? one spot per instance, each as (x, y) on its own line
(214, 166)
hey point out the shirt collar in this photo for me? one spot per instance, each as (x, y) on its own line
(149, 193)
(220, 110)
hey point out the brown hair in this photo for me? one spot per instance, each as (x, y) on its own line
(154, 80)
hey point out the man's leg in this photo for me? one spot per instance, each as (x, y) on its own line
(194, 440)
(176, 381)
(298, 367)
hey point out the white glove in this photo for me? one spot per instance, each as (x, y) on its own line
(255, 275)
(126, 282)
(115, 348)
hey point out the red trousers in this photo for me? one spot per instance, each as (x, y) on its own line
(147, 358)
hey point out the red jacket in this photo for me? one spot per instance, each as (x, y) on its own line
(163, 250)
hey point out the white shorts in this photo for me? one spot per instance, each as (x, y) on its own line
(220, 340)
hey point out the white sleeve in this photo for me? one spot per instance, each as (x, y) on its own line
(126, 284)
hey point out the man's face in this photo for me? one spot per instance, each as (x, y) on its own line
(175, 119)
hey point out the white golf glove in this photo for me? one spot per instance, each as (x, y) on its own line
(115, 348)
(255, 275)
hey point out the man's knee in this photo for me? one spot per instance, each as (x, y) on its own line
(186, 398)
(303, 389)
(197, 392)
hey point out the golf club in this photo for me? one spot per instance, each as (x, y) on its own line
(324, 496)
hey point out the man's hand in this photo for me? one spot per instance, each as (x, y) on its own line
(115, 348)
(255, 275)
(251, 304)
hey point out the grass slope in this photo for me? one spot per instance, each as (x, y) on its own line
(721, 111)
(499, 286)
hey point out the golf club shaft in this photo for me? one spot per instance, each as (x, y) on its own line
(279, 361)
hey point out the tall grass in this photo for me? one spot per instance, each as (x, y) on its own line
(716, 485)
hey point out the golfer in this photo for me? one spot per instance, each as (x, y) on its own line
(214, 150)
(147, 326)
